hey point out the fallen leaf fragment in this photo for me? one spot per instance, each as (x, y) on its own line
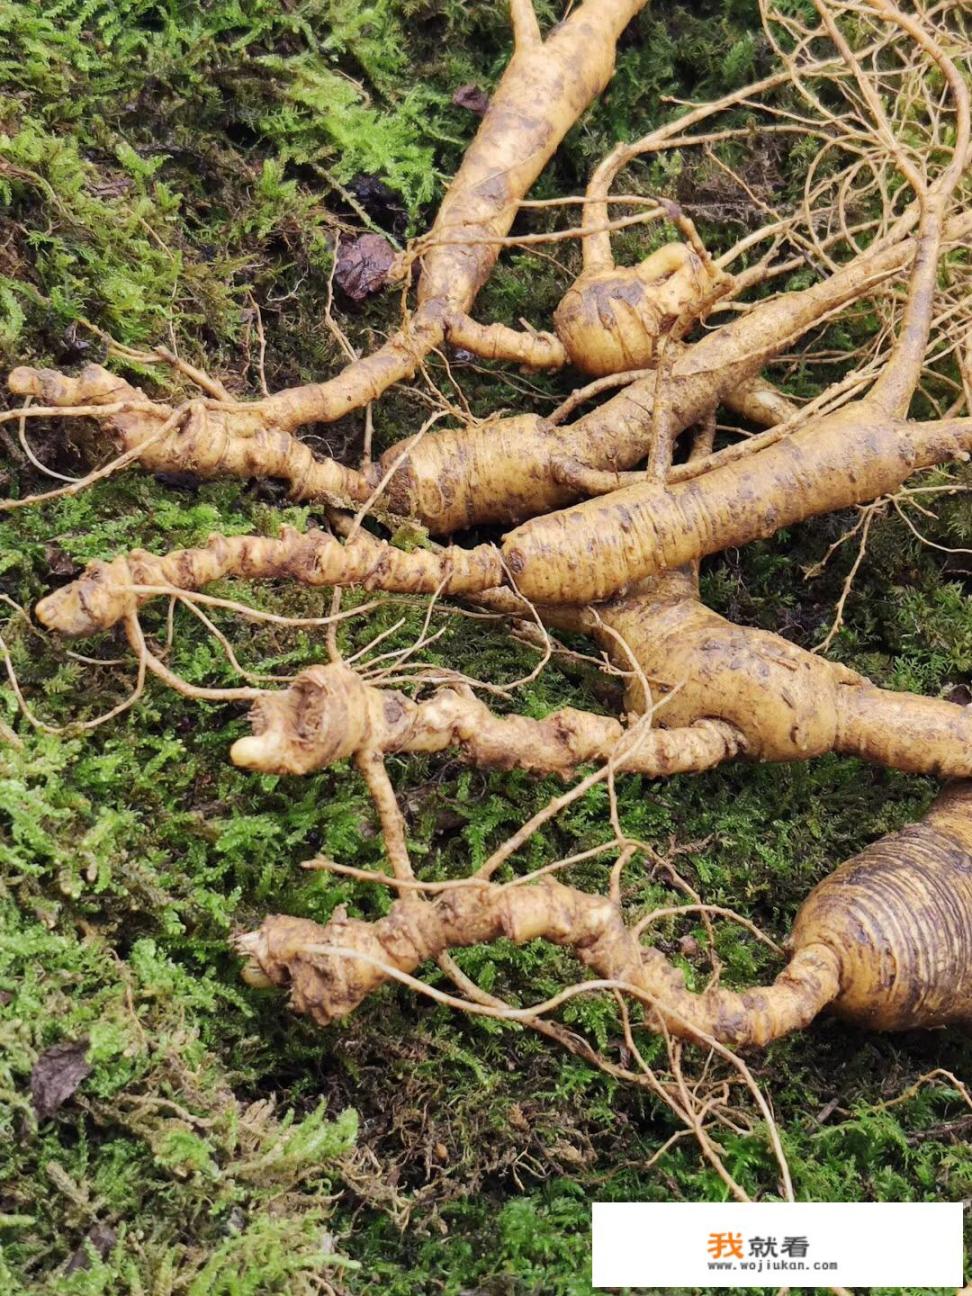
(363, 265)
(473, 98)
(56, 1075)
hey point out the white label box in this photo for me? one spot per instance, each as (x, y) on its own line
(777, 1244)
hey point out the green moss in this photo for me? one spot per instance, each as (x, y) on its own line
(173, 162)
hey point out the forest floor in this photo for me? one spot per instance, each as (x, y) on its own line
(176, 173)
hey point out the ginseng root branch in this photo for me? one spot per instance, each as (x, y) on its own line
(329, 713)
(885, 942)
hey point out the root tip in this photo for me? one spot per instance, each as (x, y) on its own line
(248, 752)
(252, 946)
(263, 754)
(24, 381)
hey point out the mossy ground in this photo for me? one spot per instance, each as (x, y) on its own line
(176, 166)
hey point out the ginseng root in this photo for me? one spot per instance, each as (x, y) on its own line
(785, 702)
(587, 553)
(503, 470)
(856, 454)
(885, 942)
(613, 318)
(546, 86)
(509, 470)
(107, 592)
(329, 713)
(718, 691)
